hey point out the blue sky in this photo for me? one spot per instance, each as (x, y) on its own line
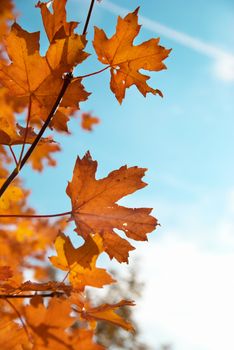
(186, 141)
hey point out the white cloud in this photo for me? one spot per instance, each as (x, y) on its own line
(188, 298)
(223, 60)
(188, 272)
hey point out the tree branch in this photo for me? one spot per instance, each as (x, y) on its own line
(34, 216)
(88, 17)
(21, 296)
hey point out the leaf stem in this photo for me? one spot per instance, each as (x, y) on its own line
(26, 132)
(13, 155)
(94, 73)
(34, 216)
(20, 318)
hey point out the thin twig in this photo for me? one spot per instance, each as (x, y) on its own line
(13, 155)
(22, 296)
(65, 277)
(88, 17)
(26, 131)
(20, 318)
(34, 216)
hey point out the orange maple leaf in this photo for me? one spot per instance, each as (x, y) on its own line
(6, 14)
(125, 59)
(12, 336)
(81, 262)
(104, 312)
(14, 134)
(82, 339)
(94, 207)
(42, 155)
(5, 273)
(13, 194)
(36, 79)
(55, 22)
(48, 324)
(87, 121)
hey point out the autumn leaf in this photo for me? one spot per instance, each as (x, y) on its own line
(58, 288)
(42, 155)
(14, 134)
(105, 312)
(125, 59)
(12, 336)
(48, 324)
(5, 273)
(82, 339)
(6, 14)
(54, 22)
(88, 121)
(81, 262)
(13, 194)
(69, 256)
(31, 77)
(61, 118)
(95, 210)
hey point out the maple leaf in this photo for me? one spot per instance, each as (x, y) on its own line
(94, 207)
(48, 324)
(12, 336)
(87, 121)
(69, 256)
(5, 273)
(81, 262)
(13, 194)
(53, 22)
(6, 14)
(125, 59)
(31, 77)
(82, 339)
(61, 118)
(42, 155)
(9, 135)
(105, 312)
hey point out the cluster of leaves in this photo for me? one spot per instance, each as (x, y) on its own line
(43, 91)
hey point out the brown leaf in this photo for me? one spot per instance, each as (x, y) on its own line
(81, 262)
(5, 273)
(40, 79)
(9, 135)
(12, 336)
(106, 312)
(125, 59)
(94, 207)
(68, 255)
(82, 339)
(54, 22)
(42, 155)
(88, 121)
(13, 194)
(48, 324)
